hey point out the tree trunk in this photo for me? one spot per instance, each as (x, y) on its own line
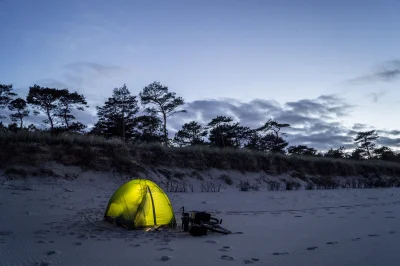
(50, 119)
(165, 129)
(123, 127)
(66, 121)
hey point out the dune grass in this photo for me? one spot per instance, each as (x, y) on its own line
(98, 153)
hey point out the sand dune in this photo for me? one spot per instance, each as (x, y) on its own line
(59, 222)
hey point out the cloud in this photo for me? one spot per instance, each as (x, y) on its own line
(321, 141)
(388, 132)
(313, 122)
(80, 73)
(359, 126)
(387, 72)
(395, 132)
(51, 83)
(376, 96)
(391, 142)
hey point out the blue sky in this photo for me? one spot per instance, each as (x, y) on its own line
(229, 51)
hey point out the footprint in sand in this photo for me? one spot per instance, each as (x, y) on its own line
(280, 253)
(82, 236)
(168, 249)
(312, 248)
(43, 263)
(332, 243)
(5, 233)
(225, 257)
(226, 248)
(163, 243)
(165, 258)
(53, 252)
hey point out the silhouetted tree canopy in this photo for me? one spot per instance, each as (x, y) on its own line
(191, 134)
(365, 141)
(21, 110)
(67, 103)
(118, 118)
(147, 129)
(117, 115)
(6, 96)
(45, 100)
(301, 150)
(384, 153)
(224, 132)
(336, 153)
(268, 138)
(159, 100)
(357, 154)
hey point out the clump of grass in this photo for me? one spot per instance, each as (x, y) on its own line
(179, 175)
(210, 187)
(246, 186)
(299, 174)
(325, 183)
(274, 185)
(292, 185)
(196, 175)
(15, 173)
(310, 186)
(228, 180)
(167, 173)
(93, 152)
(173, 186)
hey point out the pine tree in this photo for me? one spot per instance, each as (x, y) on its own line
(117, 115)
(365, 141)
(21, 111)
(191, 134)
(161, 102)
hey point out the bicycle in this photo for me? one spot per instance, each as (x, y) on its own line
(197, 223)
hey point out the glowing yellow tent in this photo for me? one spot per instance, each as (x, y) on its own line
(140, 203)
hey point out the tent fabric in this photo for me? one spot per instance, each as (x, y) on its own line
(140, 203)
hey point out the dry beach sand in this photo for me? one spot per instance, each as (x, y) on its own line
(53, 221)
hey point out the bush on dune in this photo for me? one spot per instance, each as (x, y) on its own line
(98, 153)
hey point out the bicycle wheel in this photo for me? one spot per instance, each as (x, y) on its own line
(218, 229)
(213, 221)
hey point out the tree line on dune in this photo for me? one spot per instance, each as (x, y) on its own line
(121, 116)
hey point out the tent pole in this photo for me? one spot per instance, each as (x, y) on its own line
(154, 209)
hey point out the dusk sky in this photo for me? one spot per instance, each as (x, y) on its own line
(328, 68)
